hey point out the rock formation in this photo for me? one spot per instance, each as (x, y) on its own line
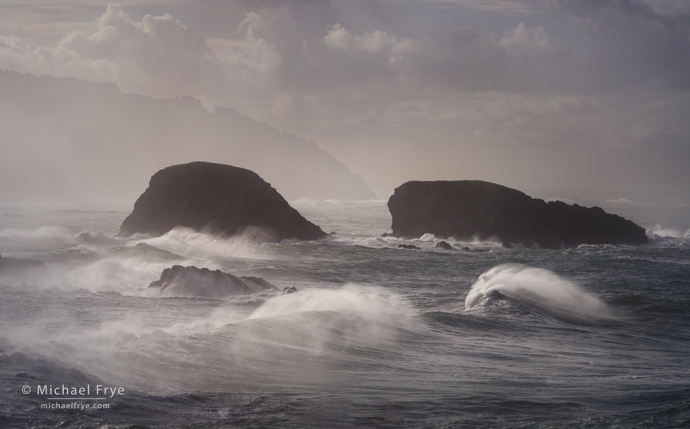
(408, 247)
(222, 198)
(468, 208)
(444, 245)
(202, 282)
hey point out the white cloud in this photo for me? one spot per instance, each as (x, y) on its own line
(523, 41)
(155, 56)
(373, 42)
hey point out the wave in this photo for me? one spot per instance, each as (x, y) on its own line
(658, 230)
(667, 237)
(126, 276)
(425, 242)
(297, 338)
(51, 236)
(346, 300)
(45, 231)
(538, 289)
(193, 244)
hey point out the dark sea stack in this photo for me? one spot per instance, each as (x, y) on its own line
(201, 282)
(470, 208)
(221, 198)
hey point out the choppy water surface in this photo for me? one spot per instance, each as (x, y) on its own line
(597, 336)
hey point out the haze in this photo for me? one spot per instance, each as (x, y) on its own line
(535, 95)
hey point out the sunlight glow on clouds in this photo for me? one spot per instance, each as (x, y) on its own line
(509, 86)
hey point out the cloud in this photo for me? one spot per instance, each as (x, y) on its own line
(553, 91)
(515, 7)
(372, 42)
(155, 56)
(523, 41)
(633, 45)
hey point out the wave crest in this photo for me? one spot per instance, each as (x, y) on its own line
(538, 289)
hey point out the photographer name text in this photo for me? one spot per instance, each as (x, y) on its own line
(99, 390)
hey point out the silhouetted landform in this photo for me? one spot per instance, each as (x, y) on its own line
(408, 247)
(21, 269)
(444, 245)
(89, 139)
(202, 282)
(468, 209)
(218, 198)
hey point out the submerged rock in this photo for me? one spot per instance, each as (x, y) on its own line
(468, 209)
(408, 246)
(444, 245)
(202, 282)
(220, 198)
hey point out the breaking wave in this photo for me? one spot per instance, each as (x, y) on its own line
(538, 289)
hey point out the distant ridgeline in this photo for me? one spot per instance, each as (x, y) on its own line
(61, 136)
(467, 209)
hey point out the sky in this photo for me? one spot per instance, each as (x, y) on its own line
(535, 94)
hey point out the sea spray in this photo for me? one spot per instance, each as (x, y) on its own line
(351, 299)
(195, 244)
(305, 335)
(538, 289)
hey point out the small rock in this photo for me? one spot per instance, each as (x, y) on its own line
(444, 245)
(408, 246)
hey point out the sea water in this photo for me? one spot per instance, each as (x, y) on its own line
(376, 336)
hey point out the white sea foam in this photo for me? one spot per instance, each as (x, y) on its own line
(347, 300)
(539, 289)
(667, 232)
(194, 244)
(127, 276)
(43, 235)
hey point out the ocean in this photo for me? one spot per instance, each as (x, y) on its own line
(376, 336)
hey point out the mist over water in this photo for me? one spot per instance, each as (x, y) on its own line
(376, 336)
